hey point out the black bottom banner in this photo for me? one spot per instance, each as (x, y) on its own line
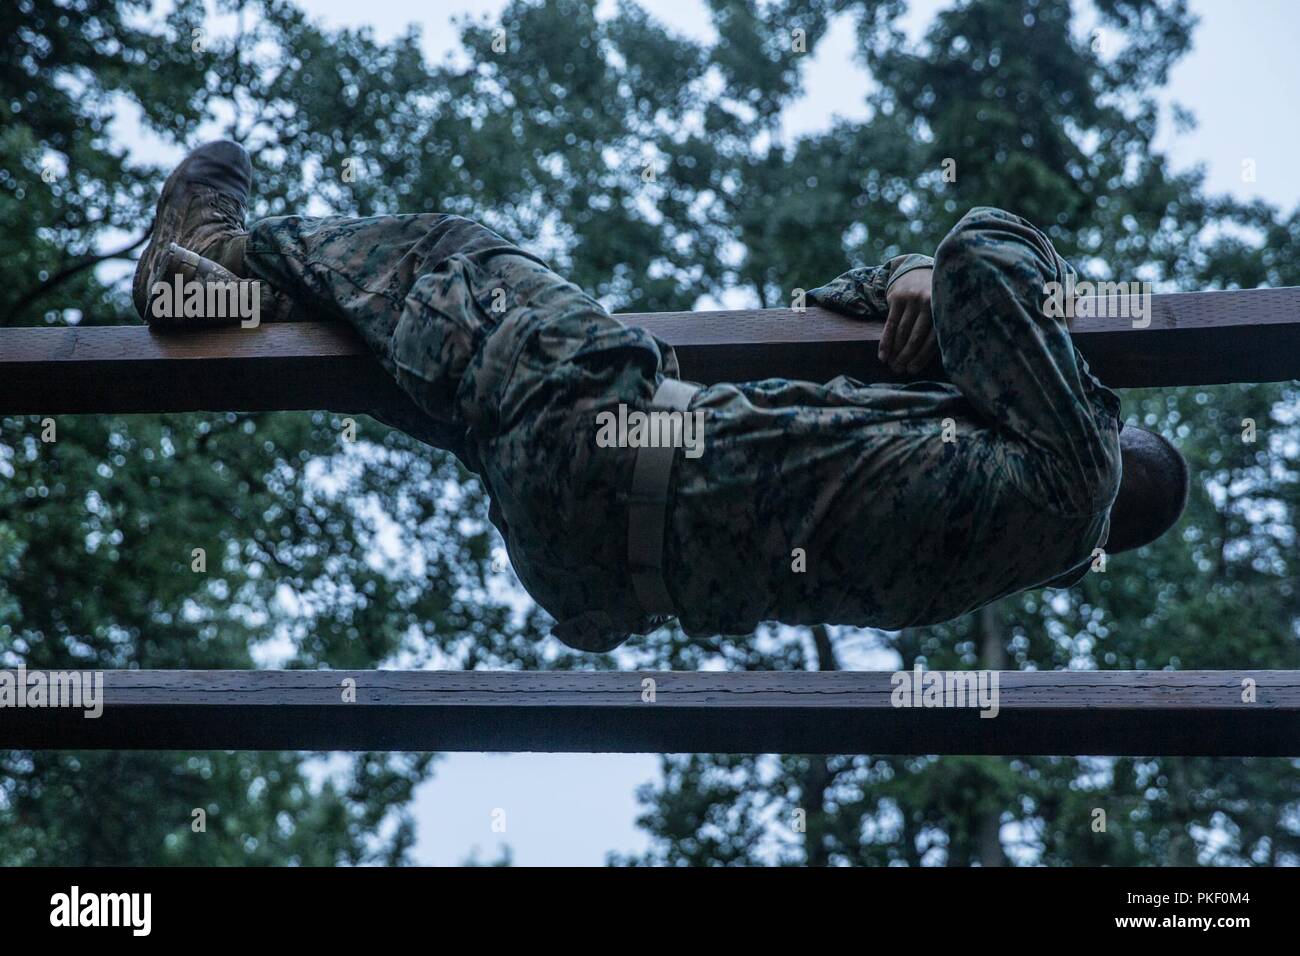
(336, 905)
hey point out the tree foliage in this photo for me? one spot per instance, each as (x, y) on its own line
(654, 170)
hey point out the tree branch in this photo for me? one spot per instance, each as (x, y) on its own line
(63, 275)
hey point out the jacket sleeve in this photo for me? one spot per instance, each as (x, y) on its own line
(861, 292)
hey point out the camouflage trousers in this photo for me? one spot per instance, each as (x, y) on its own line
(839, 503)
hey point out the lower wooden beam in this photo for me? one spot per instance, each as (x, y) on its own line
(1069, 713)
(1195, 338)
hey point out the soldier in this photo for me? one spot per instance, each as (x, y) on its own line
(883, 506)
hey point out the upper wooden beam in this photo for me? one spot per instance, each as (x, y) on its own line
(1044, 712)
(1194, 338)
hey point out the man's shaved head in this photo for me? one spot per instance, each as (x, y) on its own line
(1152, 492)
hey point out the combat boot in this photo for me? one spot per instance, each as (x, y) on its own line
(198, 237)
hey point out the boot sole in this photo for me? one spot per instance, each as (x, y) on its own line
(158, 245)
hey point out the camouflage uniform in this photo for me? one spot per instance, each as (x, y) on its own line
(897, 526)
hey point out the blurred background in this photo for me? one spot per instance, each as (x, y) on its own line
(665, 155)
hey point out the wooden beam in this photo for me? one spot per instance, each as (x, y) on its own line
(1195, 338)
(1058, 712)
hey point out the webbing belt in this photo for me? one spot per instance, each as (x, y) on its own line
(648, 507)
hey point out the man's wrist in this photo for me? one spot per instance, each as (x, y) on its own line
(908, 264)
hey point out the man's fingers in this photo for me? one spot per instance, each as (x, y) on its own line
(906, 325)
(891, 327)
(917, 334)
(928, 351)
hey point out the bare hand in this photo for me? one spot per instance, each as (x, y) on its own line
(908, 343)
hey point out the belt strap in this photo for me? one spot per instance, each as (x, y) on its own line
(648, 507)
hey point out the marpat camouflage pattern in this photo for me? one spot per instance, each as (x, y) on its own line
(843, 503)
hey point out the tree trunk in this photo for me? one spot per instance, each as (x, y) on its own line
(818, 777)
(993, 657)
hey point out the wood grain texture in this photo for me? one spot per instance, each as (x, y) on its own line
(1070, 712)
(1195, 338)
